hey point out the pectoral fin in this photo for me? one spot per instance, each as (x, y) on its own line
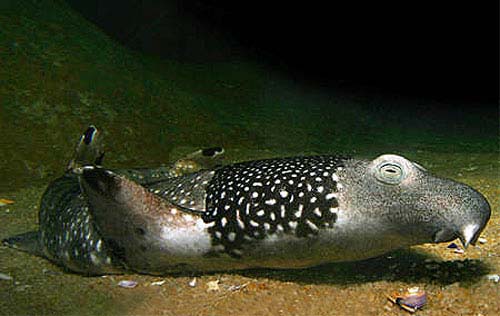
(28, 242)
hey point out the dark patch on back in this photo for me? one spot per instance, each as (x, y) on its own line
(251, 200)
(210, 152)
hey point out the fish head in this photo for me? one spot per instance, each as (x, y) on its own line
(417, 206)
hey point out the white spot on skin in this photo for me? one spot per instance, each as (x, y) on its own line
(255, 194)
(330, 196)
(218, 234)
(339, 186)
(283, 193)
(261, 213)
(231, 236)
(271, 202)
(223, 221)
(241, 224)
(312, 225)
(227, 206)
(292, 224)
(317, 212)
(254, 224)
(309, 187)
(333, 210)
(283, 210)
(313, 199)
(299, 211)
(94, 258)
(280, 227)
(320, 189)
(267, 226)
(257, 184)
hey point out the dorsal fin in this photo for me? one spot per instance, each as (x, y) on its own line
(88, 151)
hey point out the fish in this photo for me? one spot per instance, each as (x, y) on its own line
(67, 235)
(291, 212)
(285, 213)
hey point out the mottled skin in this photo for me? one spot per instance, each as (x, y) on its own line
(68, 235)
(379, 206)
(279, 213)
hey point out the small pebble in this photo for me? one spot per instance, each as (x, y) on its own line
(128, 284)
(482, 240)
(233, 288)
(459, 251)
(5, 277)
(192, 283)
(493, 277)
(158, 283)
(213, 286)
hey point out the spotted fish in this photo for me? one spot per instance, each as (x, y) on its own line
(279, 213)
(67, 234)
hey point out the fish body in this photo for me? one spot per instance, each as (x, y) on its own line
(67, 233)
(276, 213)
(280, 213)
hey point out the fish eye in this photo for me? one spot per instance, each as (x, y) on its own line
(390, 173)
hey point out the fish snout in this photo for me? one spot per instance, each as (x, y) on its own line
(473, 215)
(466, 215)
(480, 211)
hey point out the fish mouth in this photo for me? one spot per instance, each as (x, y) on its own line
(470, 234)
(465, 219)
